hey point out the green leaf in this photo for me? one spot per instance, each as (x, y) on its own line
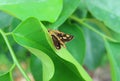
(100, 27)
(81, 11)
(94, 49)
(40, 9)
(37, 40)
(60, 68)
(5, 64)
(35, 37)
(7, 22)
(5, 19)
(73, 64)
(106, 11)
(6, 77)
(47, 64)
(115, 35)
(63, 71)
(113, 50)
(69, 7)
(77, 45)
(14, 23)
(36, 68)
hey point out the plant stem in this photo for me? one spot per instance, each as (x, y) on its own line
(8, 33)
(13, 55)
(91, 28)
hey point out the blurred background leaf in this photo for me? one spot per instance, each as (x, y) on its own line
(36, 68)
(40, 9)
(106, 11)
(95, 49)
(5, 20)
(5, 64)
(81, 11)
(114, 58)
(8, 22)
(6, 77)
(68, 8)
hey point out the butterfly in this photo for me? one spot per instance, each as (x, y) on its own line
(59, 38)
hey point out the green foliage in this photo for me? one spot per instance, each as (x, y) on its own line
(113, 55)
(93, 55)
(68, 8)
(27, 22)
(6, 77)
(40, 9)
(77, 42)
(106, 11)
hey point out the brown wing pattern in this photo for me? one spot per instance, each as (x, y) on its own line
(65, 37)
(56, 42)
(59, 38)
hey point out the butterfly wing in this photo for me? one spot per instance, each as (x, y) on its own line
(56, 42)
(65, 37)
(59, 38)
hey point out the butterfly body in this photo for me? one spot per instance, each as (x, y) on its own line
(59, 38)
